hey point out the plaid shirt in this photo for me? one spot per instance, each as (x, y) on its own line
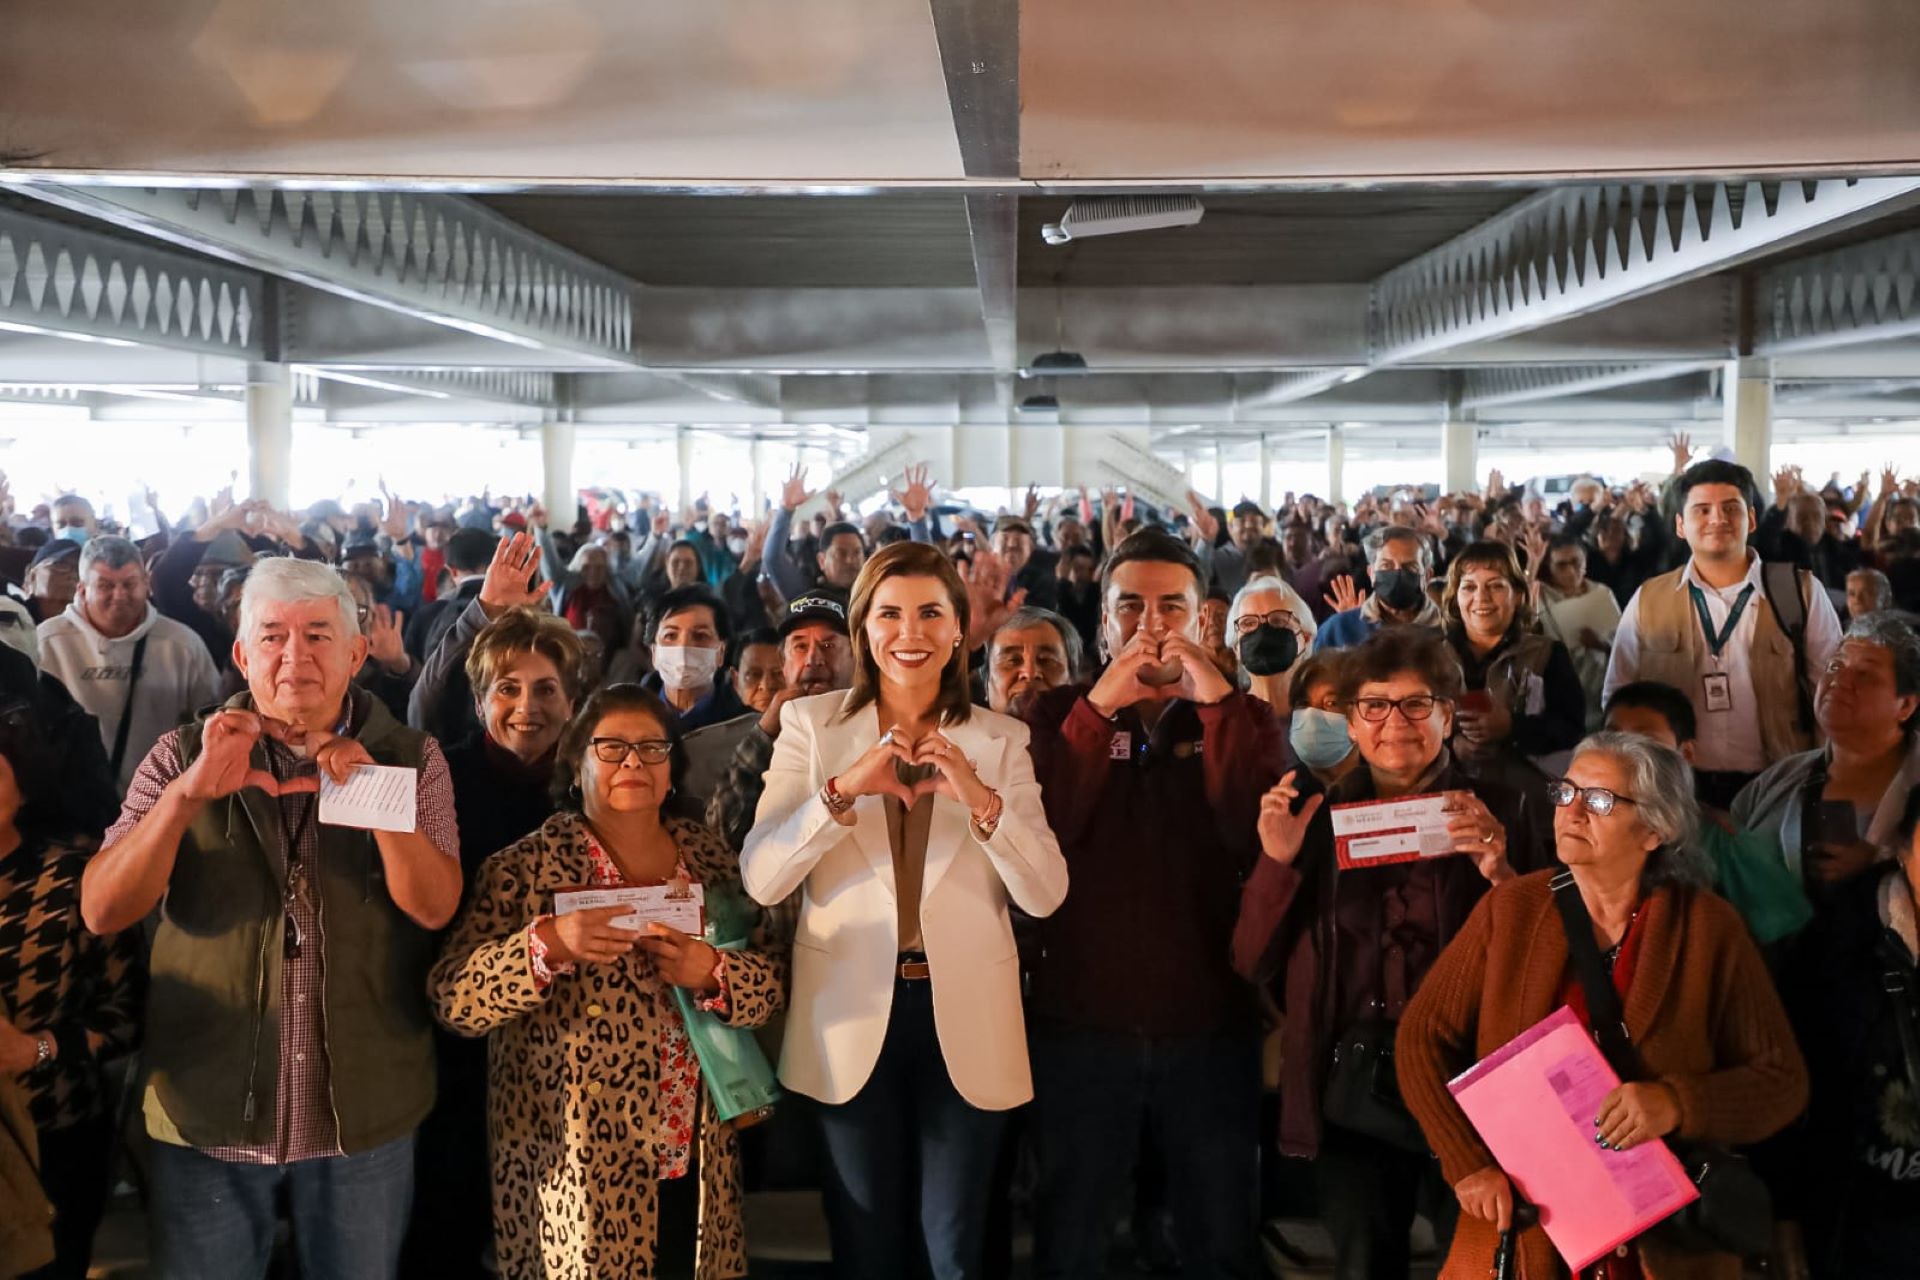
(737, 795)
(303, 1121)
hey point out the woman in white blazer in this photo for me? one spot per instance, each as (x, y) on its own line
(907, 819)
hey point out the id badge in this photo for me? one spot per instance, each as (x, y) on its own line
(1719, 690)
(1121, 748)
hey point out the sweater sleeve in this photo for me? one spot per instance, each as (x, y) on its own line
(484, 976)
(1436, 1042)
(1759, 1083)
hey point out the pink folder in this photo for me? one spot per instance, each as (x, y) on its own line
(1533, 1102)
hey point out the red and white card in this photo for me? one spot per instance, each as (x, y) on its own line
(1382, 833)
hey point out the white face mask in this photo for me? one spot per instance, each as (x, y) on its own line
(685, 667)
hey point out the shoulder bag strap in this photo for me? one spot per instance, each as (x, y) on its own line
(1603, 1002)
(126, 712)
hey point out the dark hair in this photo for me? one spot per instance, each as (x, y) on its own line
(1714, 471)
(747, 639)
(837, 529)
(909, 560)
(1079, 551)
(1391, 650)
(678, 543)
(1153, 546)
(571, 751)
(1558, 542)
(1487, 555)
(470, 550)
(1328, 664)
(28, 753)
(893, 533)
(1663, 700)
(691, 596)
(1265, 557)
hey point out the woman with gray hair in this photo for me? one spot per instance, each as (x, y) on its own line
(1836, 809)
(1718, 1062)
(1270, 628)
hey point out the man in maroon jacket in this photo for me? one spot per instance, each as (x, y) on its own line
(1152, 780)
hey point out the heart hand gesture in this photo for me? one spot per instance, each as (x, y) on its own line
(225, 762)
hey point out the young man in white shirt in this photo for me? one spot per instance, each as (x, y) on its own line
(1713, 629)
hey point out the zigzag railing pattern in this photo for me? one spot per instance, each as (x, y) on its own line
(1862, 293)
(68, 280)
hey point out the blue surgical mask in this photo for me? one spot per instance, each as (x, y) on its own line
(1319, 737)
(72, 533)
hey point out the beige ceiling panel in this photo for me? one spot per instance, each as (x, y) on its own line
(512, 90)
(1237, 89)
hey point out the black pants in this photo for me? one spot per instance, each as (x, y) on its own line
(452, 1222)
(1200, 1094)
(909, 1149)
(75, 1164)
(1369, 1193)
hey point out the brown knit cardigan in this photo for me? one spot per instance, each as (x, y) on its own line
(1701, 1009)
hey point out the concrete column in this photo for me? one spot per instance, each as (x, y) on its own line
(558, 492)
(270, 434)
(683, 438)
(1460, 453)
(1336, 463)
(1266, 474)
(1746, 389)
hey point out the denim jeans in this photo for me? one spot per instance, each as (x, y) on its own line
(909, 1149)
(1201, 1097)
(213, 1220)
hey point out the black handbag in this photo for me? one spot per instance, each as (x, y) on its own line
(1363, 1091)
(1734, 1213)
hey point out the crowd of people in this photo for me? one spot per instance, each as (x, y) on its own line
(1012, 838)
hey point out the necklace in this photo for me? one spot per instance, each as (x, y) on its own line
(1612, 953)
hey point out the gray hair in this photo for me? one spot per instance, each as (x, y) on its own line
(579, 561)
(1386, 533)
(1662, 787)
(109, 552)
(1882, 589)
(286, 580)
(1897, 638)
(1302, 612)
(1034, 616)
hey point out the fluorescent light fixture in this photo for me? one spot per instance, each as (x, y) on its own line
(37, 331)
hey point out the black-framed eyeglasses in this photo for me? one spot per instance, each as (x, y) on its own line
(616, 750)
(1247, 623)
(1417, 707)
(1599, 800)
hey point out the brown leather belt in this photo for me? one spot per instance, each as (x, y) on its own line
(914, 966)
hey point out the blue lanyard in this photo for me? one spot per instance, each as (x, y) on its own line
(1715, 643)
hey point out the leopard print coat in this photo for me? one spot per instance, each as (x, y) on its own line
(572, 1069)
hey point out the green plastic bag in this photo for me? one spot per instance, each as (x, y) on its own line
(739, 1079)
(1749, 872)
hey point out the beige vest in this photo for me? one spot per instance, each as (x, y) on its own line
(1673, 652)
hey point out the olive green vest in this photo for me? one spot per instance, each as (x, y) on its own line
(213, 1012)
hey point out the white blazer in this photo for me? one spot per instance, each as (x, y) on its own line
(847, 942)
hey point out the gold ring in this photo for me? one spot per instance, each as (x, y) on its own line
(1487, 838)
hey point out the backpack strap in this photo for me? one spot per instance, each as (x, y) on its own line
(1785, 587)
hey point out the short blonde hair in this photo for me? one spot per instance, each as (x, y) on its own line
(525, 630)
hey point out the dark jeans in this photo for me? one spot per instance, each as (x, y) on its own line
(213, 1220)
(452, 1222)
(75, 1163)
(1369, 1193)
(908, 1147)
(1200, 1094)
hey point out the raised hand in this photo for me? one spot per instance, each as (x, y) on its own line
(536, 516)
(394, 521)
(988, 603)
(662, 523)
(794, 491)
(835, 501)
(1682, 445)
(915, 497)
(1205, 524)
(1031, 504)
(756, 542)
(384, 643)
(1889, 480)
(1534, 544)
(1785, 485)
(1342, 595)
(1478, 834)
(1496, 484)
(510, 581)
(1282, 831)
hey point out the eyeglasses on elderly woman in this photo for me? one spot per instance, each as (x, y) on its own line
(1599, 800)
(616, 750)
(1418, 706)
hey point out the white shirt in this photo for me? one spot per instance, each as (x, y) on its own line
(1729, 740)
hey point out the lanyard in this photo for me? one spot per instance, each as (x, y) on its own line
(1715, 643)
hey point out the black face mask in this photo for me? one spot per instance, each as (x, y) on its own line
(1399, 589)
(1268, 650)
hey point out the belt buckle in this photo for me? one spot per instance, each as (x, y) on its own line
(915, 970)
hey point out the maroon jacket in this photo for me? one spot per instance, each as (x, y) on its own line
(1322, 940)
(1158, 833)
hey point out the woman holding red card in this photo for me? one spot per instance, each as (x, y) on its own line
(1343, 951)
